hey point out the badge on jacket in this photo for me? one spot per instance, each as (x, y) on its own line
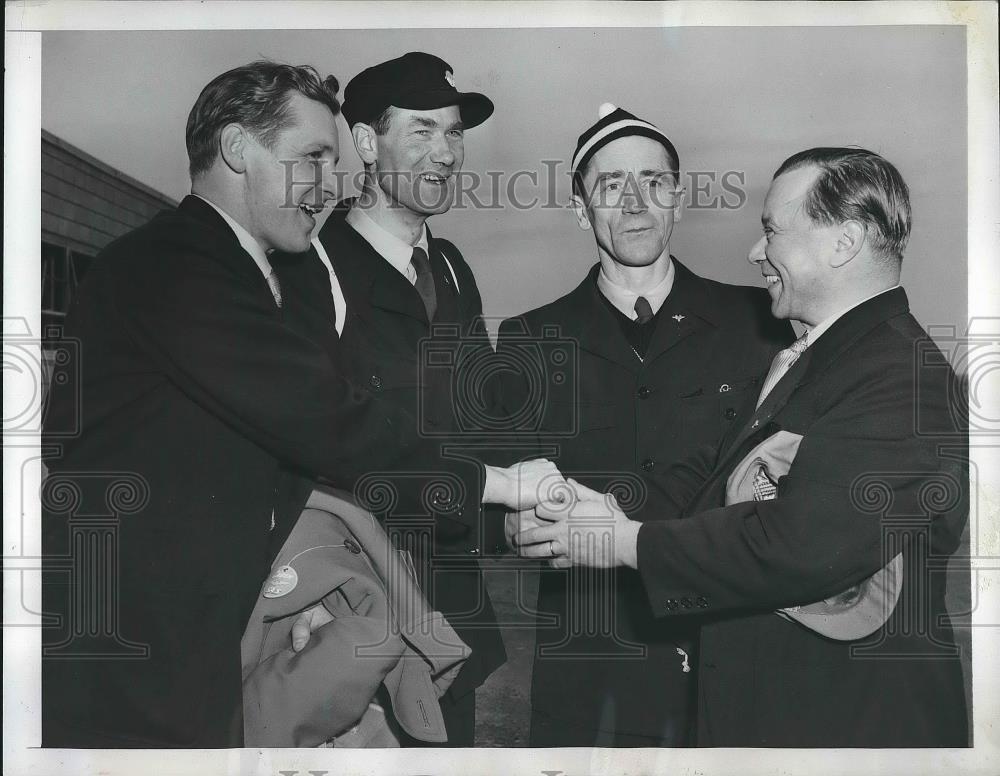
(281, 582)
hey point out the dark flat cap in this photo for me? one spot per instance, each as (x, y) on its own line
(417, 81)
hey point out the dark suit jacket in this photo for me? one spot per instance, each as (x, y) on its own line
(191, 392)
(620, 425)
(881, 468)
(387, 345)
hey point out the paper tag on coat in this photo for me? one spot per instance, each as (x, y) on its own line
(281, 582)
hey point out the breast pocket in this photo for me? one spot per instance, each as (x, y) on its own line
(708, 410)
(736, 398)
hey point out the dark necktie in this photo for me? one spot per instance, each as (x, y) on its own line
(425, 282)
(643, 312)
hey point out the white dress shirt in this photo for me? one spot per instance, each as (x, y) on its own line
(395, 251)
(624, 299)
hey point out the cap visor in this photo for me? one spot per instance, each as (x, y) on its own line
(474, 107)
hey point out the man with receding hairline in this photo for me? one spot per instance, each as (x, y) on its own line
(400, 292)
(814, 536)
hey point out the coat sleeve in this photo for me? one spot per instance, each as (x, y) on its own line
(859, 464)
(213, 334)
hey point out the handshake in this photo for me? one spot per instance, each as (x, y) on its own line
(559, 520)
(554, 519)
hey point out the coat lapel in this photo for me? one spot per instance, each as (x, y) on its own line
(686, 309)
(448, 298)
(600, 333)
(367, 279)
(229, 249)
(817, 358)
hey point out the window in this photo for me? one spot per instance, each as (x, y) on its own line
(62, 271)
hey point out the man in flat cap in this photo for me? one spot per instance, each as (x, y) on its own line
(665, 360)
(383, 291)
(193, 392)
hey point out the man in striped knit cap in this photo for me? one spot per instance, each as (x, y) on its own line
(665, 359)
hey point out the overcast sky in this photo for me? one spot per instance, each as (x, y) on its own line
(733, 100)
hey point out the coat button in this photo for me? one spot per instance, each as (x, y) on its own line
(730, 413)
(352, 545)
(643, 392)
(376, 382)
(647, 465)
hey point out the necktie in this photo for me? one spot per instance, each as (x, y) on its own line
(275, 285)
(781, 364)
(425, 282)
(643, 312)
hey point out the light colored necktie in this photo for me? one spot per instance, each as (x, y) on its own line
(643, 311)
(425, 281)
(275, 285)
(782, 363)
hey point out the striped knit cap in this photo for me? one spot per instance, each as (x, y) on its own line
(613, 124)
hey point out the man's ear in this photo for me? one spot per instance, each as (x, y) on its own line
(851, 236)
(582, 217)
(365, 142)
(233, 144)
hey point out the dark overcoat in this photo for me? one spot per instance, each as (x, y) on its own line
(881, 469)
(191, 394)
(615, 422)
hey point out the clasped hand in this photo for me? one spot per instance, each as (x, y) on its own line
(524, 485)
(582, 528)
(520, 487)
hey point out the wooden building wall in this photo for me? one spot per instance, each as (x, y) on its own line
(86, 203)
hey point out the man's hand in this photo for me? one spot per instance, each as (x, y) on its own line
(523, 485)
(310, 620)
(518, 522)
(587, 530)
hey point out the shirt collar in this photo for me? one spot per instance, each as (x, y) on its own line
(624, 299)
(815, 332)
(397, 252)
(247, 241)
